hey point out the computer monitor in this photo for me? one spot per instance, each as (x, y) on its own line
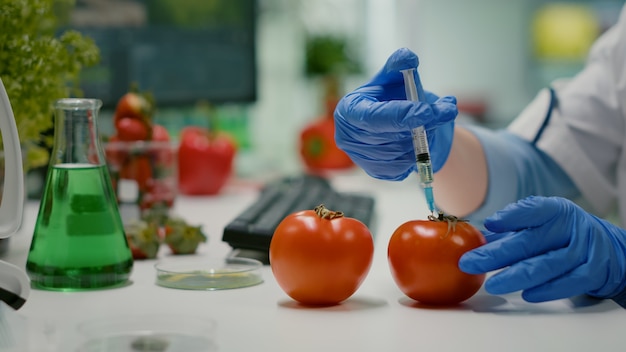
(180, 51)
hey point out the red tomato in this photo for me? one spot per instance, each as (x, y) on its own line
(318, 149)
(320, 257)
(130, 129)
(205, 161)
(423, 257)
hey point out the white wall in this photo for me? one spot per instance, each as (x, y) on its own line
(474, 48)
(466, 47)
(287, 99)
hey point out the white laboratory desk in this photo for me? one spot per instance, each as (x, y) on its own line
(376, 318)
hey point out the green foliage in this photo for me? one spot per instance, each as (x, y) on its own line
(329, 55)
(37, 66)
(197, 14)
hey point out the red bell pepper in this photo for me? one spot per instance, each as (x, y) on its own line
(318, 149)
(205, 161)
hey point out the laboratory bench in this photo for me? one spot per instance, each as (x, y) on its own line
(378, 317)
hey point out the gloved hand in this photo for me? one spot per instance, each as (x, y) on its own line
(373, 124)
(553, 249)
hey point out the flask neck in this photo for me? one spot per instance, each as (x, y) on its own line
(76, 137)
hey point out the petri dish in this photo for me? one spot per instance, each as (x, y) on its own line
(148, 333)
(216, 274)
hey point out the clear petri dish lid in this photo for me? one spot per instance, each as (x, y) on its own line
(149, 332)
(209, 274)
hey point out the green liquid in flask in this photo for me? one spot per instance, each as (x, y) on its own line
(79, 241)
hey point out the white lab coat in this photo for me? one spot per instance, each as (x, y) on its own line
(585, 131)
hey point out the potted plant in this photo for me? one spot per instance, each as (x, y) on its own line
(328, 60)
(38, 66)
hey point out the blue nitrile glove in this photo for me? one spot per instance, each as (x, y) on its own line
(553, 249)
(373, 124)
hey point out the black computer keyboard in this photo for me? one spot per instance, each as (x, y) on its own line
(250, 233)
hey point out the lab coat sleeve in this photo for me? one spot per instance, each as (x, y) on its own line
(581, 124)
(516, 169)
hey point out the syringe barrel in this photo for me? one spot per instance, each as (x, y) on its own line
(413, 85)
(415, 92)
(420, 144)
(425, 172)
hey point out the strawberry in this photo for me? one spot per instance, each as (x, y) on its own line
(160, 133)
(181, 237)
(136, 106)
(143, 239)
(130, 129)
(133, 105)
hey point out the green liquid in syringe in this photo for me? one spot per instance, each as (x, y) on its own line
(425, 172)
(79, 241)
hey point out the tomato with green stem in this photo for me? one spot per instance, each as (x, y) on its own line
(423, 256)
(320, 257)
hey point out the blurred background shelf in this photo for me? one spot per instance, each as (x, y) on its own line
(248, 58)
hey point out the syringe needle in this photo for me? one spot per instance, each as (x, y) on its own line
(430, 199)
(414, 92)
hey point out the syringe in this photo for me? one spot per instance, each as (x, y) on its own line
(415, 92)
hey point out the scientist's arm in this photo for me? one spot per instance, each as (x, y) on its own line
(477, 172)
(460, 187)
(488, 169)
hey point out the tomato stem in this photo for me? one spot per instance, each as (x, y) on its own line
(450, 219)
(326, 213)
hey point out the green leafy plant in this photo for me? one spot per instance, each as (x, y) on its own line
(329, 55)
(39, 65)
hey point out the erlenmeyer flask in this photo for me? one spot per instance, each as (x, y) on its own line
(79, 241)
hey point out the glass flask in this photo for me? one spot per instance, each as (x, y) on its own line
(79, 241)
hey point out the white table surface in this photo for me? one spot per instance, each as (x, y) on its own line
(378, 317)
